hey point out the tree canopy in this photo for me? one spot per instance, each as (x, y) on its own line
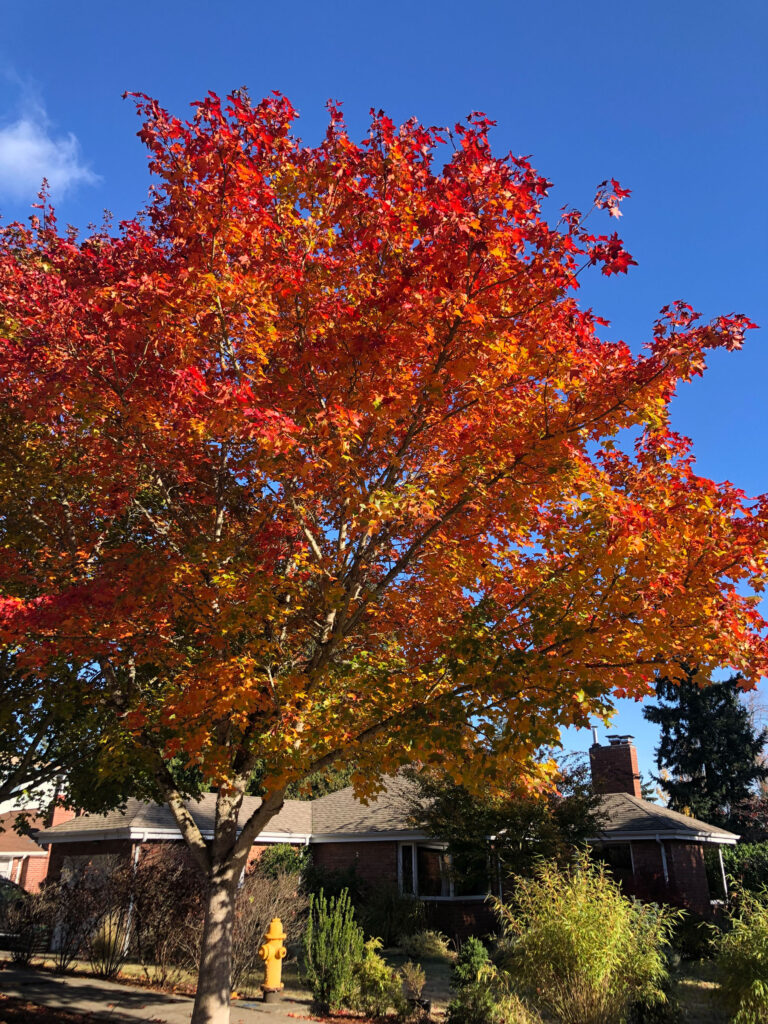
(316, 461)
(510, 832)
(709, 749)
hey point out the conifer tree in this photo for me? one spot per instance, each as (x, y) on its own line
(709, 745)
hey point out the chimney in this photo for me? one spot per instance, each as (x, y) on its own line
(61, 814)
(614, 768)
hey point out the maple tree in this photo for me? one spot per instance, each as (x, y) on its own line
(315, 462)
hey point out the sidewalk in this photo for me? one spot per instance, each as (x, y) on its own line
(121, 1004)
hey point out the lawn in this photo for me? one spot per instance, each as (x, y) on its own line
(697, 988)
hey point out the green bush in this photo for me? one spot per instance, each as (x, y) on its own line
(379, 987)
(582, 951)
(693, 937)
(413, 979)
(333, 950)
(283, 859)
(427, 945)
(473, 957)
(335, 882)
(488, 1000)
(743, 959)
(386, 914)
(482, 993)
(747, 865)
(107, 945)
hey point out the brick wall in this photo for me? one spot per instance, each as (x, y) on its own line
(33, 873)
(100, 848)
(375, 863)
(648, 881)
(688, 882)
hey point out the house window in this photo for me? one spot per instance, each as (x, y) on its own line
(406, 870)
(6, 867)
(432, 873)
(617, 857)
(425, 871)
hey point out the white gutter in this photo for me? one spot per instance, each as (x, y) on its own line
(718, 838)
(660, 841)
(168, 834)
(722, 872)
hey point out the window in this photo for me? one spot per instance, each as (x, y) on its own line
(617, 857)
(6, 867)
(406, 870)
(426, 871)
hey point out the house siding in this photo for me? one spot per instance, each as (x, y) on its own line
(688, 877)
(96, 848)
(374, 863)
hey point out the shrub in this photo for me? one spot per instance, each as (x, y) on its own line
(487, 999)
(259, 899)
(78, 904)
(743, 959)
(693, 937)
(414, 979)
(334, 882)
(427, 945)
(747, 865)
(332, 951)
(283, 859)
(167, 916)
(473, 957)
(27, 922)
(580, 949)
(386, 914)
(107, 944)
(379, 987)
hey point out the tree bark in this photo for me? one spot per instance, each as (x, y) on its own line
(214, 988)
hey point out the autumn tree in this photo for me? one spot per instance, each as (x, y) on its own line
(50, 729)
(315, 462)
(508, 832)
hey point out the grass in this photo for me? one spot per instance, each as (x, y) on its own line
(696, 986)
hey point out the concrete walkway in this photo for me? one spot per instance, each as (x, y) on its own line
(121, 1004)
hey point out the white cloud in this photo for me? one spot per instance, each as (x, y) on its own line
(29, 152)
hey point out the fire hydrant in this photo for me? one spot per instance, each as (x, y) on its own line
(272, 952)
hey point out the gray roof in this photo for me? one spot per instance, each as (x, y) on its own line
(341, 813)
(295, 819)
(625, 815)
(343, 816)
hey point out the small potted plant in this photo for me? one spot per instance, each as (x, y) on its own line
(414, 980)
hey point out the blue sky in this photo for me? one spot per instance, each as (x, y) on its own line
(669, 98)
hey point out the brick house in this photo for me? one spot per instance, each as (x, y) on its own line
(656, 853)
(22, 860)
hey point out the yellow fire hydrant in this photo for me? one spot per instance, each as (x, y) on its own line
(272, 952)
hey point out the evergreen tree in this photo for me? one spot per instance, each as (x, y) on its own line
(709, 746)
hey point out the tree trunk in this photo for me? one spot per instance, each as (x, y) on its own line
(213, 980)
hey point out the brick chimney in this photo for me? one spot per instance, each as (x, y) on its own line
(614, 768)
(61, 814)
